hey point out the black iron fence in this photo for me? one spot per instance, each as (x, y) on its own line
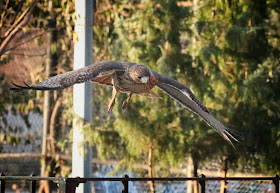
(69, 185)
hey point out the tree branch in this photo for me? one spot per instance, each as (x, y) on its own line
(52, 123)
(21, 21)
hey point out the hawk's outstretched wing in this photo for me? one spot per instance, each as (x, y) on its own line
(183, 95)
(81, 75)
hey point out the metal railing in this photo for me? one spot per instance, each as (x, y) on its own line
(69, 185)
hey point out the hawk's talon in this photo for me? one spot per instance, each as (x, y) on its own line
(111, 105)
(126, 101)
(124, 104)
(18, 88)
(27, 85)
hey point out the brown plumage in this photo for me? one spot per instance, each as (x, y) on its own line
(131, 78)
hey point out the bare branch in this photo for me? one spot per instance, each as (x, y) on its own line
(3, 13)
(21, 21)
(23, 16)
(52, 123)
(1, 7)
(24, 42)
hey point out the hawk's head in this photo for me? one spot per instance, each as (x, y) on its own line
(140, 73)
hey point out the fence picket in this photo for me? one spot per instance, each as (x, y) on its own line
(3, 183)
(276, 183)
(125, 184)
(33, 184)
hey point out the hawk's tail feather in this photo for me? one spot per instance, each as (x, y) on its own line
(27, 86)
(19, 88)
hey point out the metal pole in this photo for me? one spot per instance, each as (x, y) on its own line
(33, 184)
(81, 153)
(125, 184)
(202, 183)
(71, 186)
(3, 184)
(276, 183)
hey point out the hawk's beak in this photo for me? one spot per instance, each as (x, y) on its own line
(145, 79)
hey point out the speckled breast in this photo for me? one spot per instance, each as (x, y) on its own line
(126, 84)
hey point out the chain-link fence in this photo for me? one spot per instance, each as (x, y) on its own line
(26, 166)
(140, 185)
(240, 186)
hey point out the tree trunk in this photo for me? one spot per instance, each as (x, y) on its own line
(51, 61)
(150, 168)
(223, 188)
(52, 124)
(195, 33)
(195, 183)
(189, 175)
(44, 186)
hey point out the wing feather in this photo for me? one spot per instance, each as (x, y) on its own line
(184, 96)
(81, 75)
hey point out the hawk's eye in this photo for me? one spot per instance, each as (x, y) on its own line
(139, 77)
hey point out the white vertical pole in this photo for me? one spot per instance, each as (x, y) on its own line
(81, 153)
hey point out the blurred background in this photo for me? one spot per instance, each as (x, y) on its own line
(226, 51)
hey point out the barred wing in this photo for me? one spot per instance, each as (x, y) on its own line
(184, 96)
(81, 75)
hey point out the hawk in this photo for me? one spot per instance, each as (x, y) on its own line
(131, 78)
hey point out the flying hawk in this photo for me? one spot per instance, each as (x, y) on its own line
(131, 78)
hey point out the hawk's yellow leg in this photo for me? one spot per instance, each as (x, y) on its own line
(126, 101)
(112, 102)
(114, 94)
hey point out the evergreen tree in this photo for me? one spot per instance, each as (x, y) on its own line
(230, 62)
